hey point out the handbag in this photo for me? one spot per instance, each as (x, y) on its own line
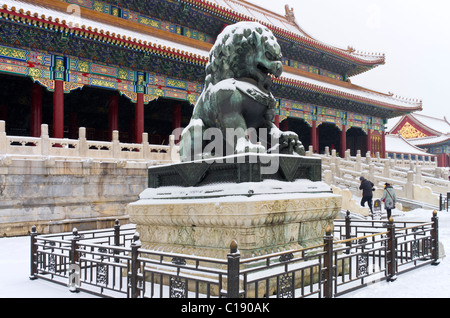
(391, 198)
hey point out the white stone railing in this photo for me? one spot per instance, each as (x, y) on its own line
(412, 179)
(20, 147)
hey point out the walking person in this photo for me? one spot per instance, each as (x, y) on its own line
(389, 199)
(367, 192)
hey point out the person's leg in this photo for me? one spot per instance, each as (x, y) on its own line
(369, 202)
(363, 201)
(388, 213)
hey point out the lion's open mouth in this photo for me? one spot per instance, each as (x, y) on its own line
(263, 69)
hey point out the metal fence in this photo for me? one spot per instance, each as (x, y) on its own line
(443, 201)
(111, 263)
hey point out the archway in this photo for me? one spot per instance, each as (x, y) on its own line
(16, 102)
(356, 140)
(163, 116)
(90, 107)
(329, 136)
(300, 127)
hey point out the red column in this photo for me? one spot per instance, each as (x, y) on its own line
(176, 117)
(343, 141)
(314, 137)
(383, 145)
(36, 110)
(58, 110)
(139, 117)
(277, 121)
(113, 114)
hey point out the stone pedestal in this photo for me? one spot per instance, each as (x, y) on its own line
(263, 217)
(267, 204)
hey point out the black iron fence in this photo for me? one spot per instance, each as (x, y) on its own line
(112, 263)
(443, 201)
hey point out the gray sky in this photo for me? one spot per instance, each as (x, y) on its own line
(414, 35)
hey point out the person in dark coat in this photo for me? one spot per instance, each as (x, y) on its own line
(367, 192)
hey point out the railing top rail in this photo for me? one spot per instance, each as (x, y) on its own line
(54, 240)
(360, 237)
(111, 247)
(264, 257)
(380, 221)
(415, 226)
(185, 256)
(126, 227)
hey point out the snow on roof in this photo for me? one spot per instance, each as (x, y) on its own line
(424, 141)
(397, 144)
(263, 15)
(73, 19)
(391, 123)
(436, 126)
(260, 14)
(440, 125)
(356, 91)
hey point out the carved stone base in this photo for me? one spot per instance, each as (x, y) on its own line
(263, 217)
(247, 167)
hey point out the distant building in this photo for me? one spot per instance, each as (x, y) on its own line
(425, 132)
(398, 147)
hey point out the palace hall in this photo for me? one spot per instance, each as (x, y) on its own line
(425, 132)
(138, 66)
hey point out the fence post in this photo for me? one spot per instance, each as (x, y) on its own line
(83, 148)
(348, 231)
(328, 263)
(45, 140)
(234, 258)
(435, 239)
(33, 258)
(391, 251)
(3, 140)
(448, 199)
(116, 238)
(135, 245)
(116, 152)
(74, 261)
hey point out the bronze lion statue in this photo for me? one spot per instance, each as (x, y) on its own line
(235, 112)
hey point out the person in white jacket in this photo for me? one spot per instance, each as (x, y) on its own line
(389, 199)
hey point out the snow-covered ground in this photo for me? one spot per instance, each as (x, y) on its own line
(425, 282)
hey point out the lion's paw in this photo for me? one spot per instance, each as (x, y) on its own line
(243, 145)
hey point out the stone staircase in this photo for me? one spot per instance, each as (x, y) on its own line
(416, 183)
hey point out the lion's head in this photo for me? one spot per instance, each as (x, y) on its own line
(245, 49)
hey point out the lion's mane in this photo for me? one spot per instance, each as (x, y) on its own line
(231, 49)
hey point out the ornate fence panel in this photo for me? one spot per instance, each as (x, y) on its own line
(291, 274)
(167, 275)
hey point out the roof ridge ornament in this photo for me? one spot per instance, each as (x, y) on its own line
(289, 14)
